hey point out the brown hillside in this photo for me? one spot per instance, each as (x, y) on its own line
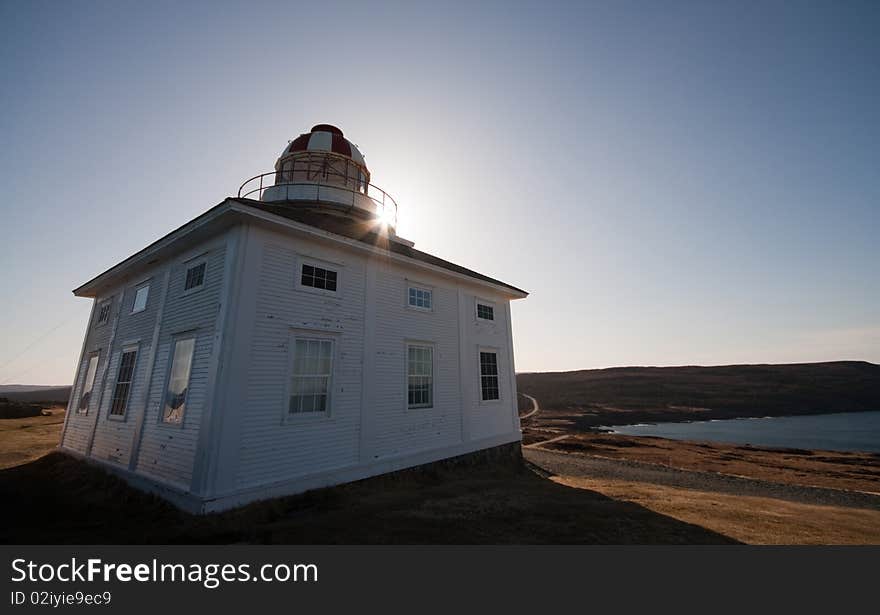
(681, 393)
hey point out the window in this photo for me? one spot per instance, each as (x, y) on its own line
(421, 298)
(104, 312)
(178, 380)
(123, 382)
(489, 376)
(420, 376)
(140, 299)
(485, 311)
(312, 374)
(85, 397)
(195, 276)
(318, 277)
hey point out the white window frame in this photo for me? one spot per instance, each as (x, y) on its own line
(288, 417)
(192, 264)
(478, 302)
(420, 344)
(96, 355)
(497, 354)
(131, 347)
(180, 337)
(109, 304)
(314, 262)
(137, 290)
(419, 287)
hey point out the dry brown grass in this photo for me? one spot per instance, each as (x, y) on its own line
(833, 470)
(480, 504)
(462, 506)
(23, 440)
(504, 504)
(747, 519)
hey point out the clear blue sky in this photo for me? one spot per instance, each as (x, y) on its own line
(675, 183)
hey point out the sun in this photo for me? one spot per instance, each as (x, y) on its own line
(386, 216)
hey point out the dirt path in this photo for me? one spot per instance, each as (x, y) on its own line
(572, 464)
(534, 410)
(543, 442)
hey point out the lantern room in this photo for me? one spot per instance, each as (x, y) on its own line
(322, 168)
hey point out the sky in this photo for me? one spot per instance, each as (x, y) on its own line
(673, 182)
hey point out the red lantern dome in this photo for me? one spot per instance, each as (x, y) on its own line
(323, 169)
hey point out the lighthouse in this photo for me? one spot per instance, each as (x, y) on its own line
(286, 339)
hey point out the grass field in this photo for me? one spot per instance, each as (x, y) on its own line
(22, 440)
(752, 520)
(50, 497)
(57, 499)
(831, 469)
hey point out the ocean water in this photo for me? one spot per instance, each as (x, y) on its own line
(845, 431)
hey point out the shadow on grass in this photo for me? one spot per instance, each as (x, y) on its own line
(59, 499)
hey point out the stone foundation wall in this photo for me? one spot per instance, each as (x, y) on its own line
(504, 457)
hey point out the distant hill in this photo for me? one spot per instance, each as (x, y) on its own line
(682, 393)
(35, 393)
(21, 388)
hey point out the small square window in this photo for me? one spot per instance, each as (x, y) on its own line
(319, 277)
(485, 311)
(140, 299)
(104, 312)
(421, 298)
(195, 276)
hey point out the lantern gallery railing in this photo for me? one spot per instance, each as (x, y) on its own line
(326, 186)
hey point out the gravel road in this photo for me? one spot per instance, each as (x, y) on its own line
(572, 464)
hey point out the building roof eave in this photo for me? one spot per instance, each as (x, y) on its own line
(197, 226)
(231, 210)
(400, 251)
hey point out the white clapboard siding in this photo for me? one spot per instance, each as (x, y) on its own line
(490, 418)
(399, 429)
(80, 426)
(272, 449)
(167, 452)
(251, 445)
(113, 436)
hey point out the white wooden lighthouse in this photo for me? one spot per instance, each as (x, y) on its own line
(288, 339)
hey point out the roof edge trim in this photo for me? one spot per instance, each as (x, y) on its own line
(231, 204)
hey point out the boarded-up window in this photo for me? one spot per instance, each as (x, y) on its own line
(140, 299)
(178, 380)
(86, 396)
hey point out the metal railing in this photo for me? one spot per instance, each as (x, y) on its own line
(311, 189)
